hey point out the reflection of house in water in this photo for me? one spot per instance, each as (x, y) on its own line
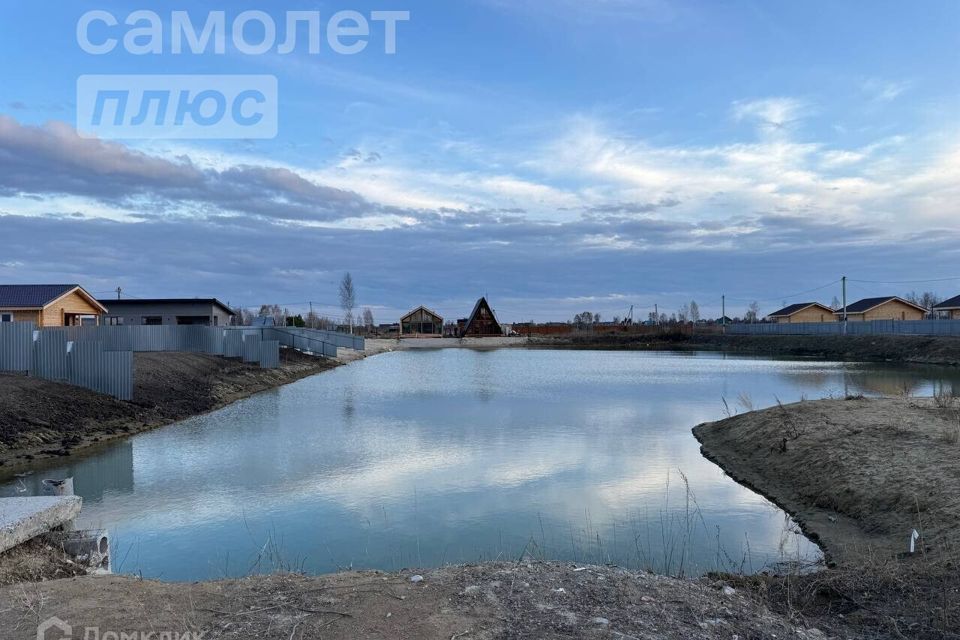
(888, 382)
(109, 471)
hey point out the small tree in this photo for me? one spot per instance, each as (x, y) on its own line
(694, 311)
(753, 312)
(348, 299)
(368, 319)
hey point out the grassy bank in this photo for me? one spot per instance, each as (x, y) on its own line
(40, 419)
(913, 349)
(859, 476)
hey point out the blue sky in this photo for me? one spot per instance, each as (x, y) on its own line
(558, 156)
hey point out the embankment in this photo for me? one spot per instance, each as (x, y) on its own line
(914, 349)
(540, 600)
(42, 419)
(860, 475)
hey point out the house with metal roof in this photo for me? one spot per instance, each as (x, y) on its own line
(152, 311)
(49, 305)
(948, 309)
(803, 312)
(882, 308)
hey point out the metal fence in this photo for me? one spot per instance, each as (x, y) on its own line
(869, 328)
(101, 358)
(109, 372)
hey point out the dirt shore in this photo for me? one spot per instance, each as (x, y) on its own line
(541, 600)
(912, 349)
(859, 475)
(40, 419)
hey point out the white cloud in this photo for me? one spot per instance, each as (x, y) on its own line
(883, 90)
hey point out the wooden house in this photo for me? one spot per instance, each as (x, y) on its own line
(884, 308)
(49, 305)
(482, 322)
(421, 323)
(803, 312)
(948, 309)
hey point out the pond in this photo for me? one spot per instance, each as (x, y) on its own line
(431, 457)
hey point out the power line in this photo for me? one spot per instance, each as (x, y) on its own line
(786, 297)
(905, 281)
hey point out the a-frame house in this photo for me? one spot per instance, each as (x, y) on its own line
(482, 322)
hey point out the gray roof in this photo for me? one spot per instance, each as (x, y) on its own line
(952, 303)
(866, 304)
(161, 301)
(793, 308)
(31, 296)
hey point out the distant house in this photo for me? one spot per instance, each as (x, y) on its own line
(949, 309)
(884, 308)
(803, 312)
(421, 322)
(201, 311)
(482, 322)
(49, 305)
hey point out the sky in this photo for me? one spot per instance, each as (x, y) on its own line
(556, 156)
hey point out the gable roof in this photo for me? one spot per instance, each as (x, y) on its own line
(423, 308)
(952, 303)
(38, 296)
(160, 301)
(789, 310)
(481, 303)
(862, 306)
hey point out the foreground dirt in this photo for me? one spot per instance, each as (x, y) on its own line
(41, 419)
(485, 601)
(859, 475)
(913, 349)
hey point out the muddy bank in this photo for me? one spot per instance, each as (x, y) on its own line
(859, 475)
(486, 601)
(913, 349)
(40, 419)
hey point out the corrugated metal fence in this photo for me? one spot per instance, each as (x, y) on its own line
(101, 358)
(869, 328)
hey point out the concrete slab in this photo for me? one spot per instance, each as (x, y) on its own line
(22, 519)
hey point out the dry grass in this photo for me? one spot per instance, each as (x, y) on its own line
(916, 597)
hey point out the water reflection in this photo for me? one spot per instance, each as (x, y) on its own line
(423, 458)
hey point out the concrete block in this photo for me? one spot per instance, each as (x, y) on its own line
(23, 519)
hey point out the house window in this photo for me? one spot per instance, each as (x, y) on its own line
(6, 317)
(152, 320)
(115, 321)
(216, 321)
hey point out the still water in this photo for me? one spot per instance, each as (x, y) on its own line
(421, 458)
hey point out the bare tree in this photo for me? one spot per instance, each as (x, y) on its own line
(348, 299)
(694, 311)
(368, 319)
(753, 312)
(835, 303)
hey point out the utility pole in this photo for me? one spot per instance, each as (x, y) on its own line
(118, 292)
(656, 313)
(723, 312)
(843, 280)
(311, 316)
